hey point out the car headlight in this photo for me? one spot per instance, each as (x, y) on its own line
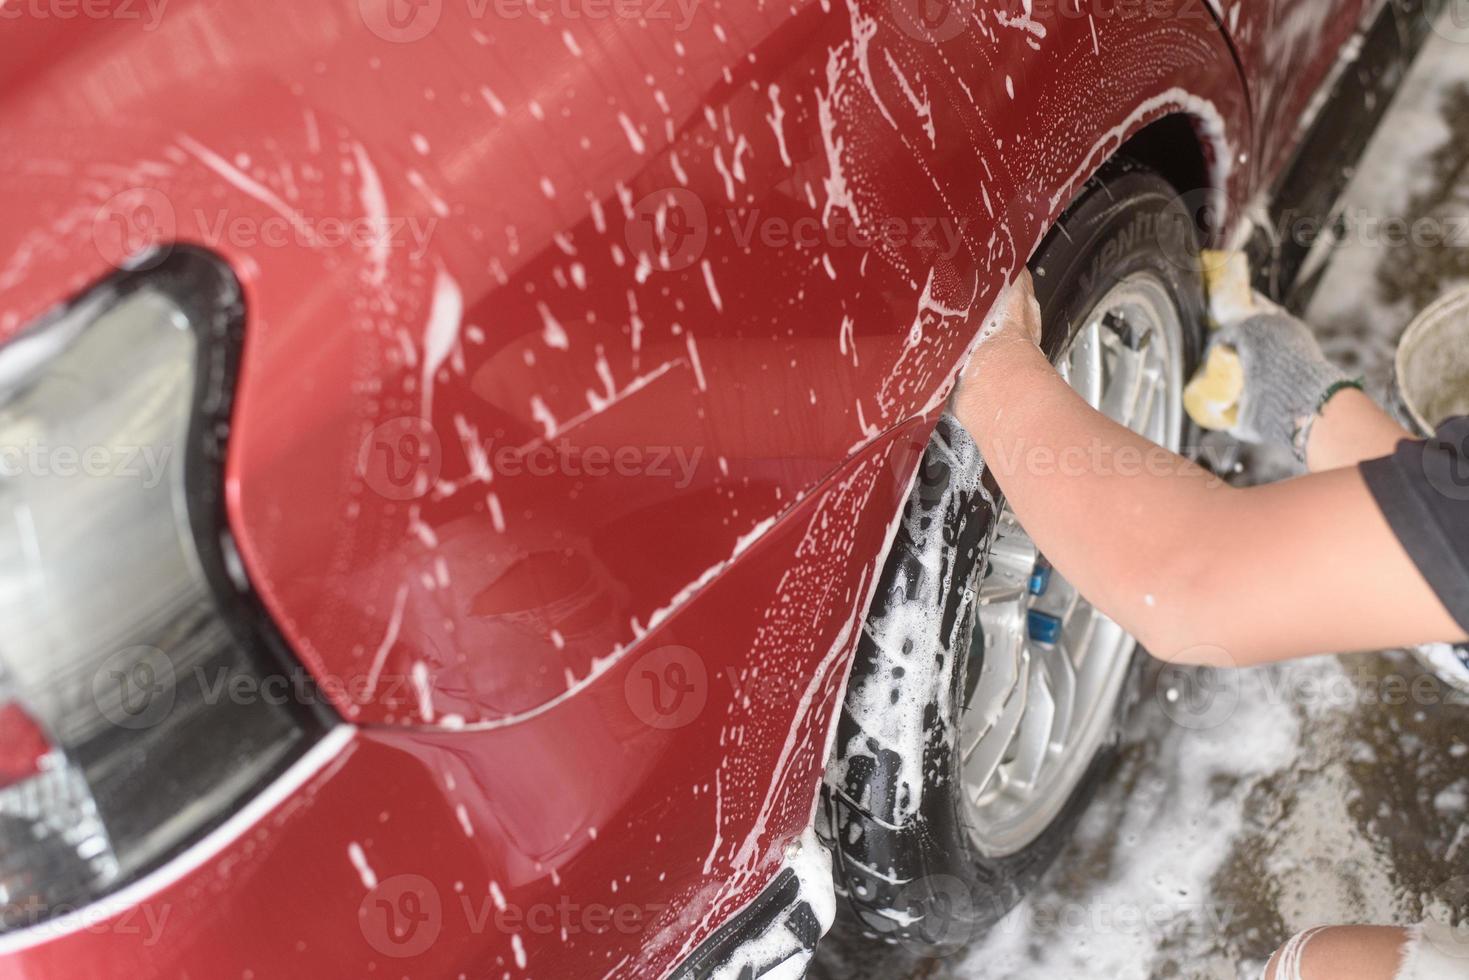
(126, 732)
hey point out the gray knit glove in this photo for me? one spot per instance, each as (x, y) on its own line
(1287, 379)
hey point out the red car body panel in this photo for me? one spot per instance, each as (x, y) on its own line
(1287, 48)
(612, 687)
(631, 838)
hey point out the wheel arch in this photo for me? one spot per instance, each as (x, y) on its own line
(880, 823)
(1174, 148)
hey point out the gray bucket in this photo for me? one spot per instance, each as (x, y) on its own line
(1432, 365)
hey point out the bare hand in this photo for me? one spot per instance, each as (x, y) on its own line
(1016, 317)
(1018, 310)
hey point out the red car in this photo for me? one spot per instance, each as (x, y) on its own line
(476, 495)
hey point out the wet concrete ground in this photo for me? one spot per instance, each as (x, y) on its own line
(1249, 806)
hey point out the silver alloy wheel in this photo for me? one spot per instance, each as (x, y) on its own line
(1053, 666)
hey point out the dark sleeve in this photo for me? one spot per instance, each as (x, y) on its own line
(1423, 490)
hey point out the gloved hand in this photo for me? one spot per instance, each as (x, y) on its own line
(1287, 380)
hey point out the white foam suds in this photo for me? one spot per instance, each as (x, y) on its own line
(551, 330)
(375, 209)
(364, 870)
(446, 314)
(777, 944)
(777, 123)
(891, 703)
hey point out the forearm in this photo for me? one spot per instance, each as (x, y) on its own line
(1106, 506)
(1351, 429)
(1198, 571)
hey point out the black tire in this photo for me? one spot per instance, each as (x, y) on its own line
(905, 864)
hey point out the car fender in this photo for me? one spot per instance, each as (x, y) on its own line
(461, 611)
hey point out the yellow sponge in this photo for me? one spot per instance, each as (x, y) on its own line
(1227, 283)
(1212, 397)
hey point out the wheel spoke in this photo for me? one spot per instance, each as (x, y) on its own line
(1062, 675)
(998, 675)
(1141, 417)
(1013, 557)
(1085, 360)
(1033, 739)
(1076, 637)
(1126, 368)
(1002, 595)
(984, 761)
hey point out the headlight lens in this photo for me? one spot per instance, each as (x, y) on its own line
(125, 730)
